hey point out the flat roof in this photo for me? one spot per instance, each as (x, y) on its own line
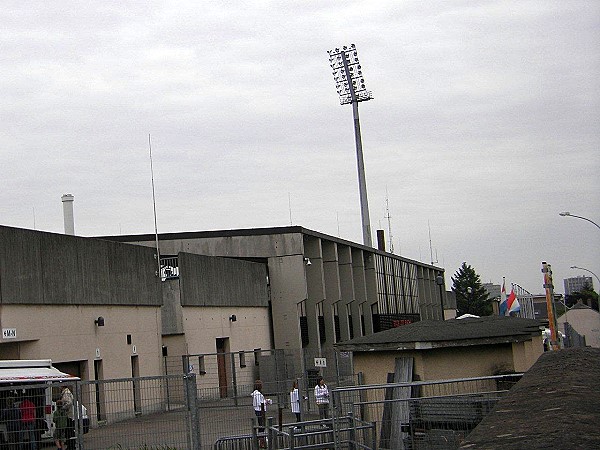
(297, 229)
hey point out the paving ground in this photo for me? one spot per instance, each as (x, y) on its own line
(169, 430)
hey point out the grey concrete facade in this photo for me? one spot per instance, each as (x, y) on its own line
(347, 289)
(55, 288)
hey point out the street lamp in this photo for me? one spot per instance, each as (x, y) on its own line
(350, 86)
(567, 213)
(587, 270)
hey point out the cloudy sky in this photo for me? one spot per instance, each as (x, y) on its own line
(485, 123)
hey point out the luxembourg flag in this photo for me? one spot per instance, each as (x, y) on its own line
(512, 304)
(503, 305)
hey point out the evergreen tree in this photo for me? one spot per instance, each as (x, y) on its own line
(471, 296)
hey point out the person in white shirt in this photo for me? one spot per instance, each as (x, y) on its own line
(295, 400)
(259, 402)
(322, 398)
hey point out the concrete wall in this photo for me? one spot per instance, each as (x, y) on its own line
(211, 281)
(452, 362)
(69, 334)
(244, 246)
(586, 322)
(341, 273)
(287, 291)
(53, 269)
(202, 325)
(172, 311)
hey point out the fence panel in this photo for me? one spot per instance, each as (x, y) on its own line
(148, 412)
(440, 413)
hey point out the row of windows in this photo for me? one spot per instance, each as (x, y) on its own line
(397, 291)
(397, 302)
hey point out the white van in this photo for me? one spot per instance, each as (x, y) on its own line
(18, 374)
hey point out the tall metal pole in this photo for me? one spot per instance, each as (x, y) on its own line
(351, 89)
(362, 183)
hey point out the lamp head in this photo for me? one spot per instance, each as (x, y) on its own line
(564, 213)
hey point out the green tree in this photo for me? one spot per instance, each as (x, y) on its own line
(587, 295)
(471, 296)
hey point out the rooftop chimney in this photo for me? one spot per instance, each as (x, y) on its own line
(67, 201)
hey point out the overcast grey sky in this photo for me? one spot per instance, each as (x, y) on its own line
(484, 123)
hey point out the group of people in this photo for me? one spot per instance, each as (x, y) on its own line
(20, 419)
(259, 402)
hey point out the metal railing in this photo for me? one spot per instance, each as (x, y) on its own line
(426, 414)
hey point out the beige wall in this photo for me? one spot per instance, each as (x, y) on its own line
(376, 365)
(452, 362)
(586, 322)
(68, 333)
(203, 324)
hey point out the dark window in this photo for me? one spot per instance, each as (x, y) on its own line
(303, 323)
(336, 323)
(321, 321)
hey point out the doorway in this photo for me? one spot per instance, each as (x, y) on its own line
(135, 373)
(222, 345)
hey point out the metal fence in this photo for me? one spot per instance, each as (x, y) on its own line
(230, 376)
(424, 415)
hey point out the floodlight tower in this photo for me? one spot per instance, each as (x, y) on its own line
(350, 86)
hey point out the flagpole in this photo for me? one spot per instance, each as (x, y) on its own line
(502, 309)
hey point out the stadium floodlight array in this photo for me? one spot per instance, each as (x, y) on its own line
(348, 76)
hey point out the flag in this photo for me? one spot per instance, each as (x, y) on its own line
(503, 306)
(512, 304)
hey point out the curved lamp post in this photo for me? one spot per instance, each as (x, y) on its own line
(567, 213)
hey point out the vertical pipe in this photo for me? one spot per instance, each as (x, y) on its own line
(67, 201)
(234, 379)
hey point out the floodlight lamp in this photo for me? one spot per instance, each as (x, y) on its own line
(565, 213)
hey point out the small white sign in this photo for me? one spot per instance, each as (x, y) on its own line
(320, 362)
(134, 349)
(97, 353)
(9, 333)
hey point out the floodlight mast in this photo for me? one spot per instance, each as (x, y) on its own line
(351, 88)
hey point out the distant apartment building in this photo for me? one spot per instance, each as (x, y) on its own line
(576, 284)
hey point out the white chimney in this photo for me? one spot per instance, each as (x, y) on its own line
(67, 201)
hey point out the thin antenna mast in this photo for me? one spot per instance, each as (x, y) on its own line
(430, 247)
(389, 220)
(290, 207)
(154, 206)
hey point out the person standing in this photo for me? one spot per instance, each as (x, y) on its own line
(67, 400)
(27, 408)
(295, 401)
(259, 403)
(322, 398)
(61, 425)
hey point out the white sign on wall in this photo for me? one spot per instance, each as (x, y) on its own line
(9, 333)
(320, 362)
(134, 350)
